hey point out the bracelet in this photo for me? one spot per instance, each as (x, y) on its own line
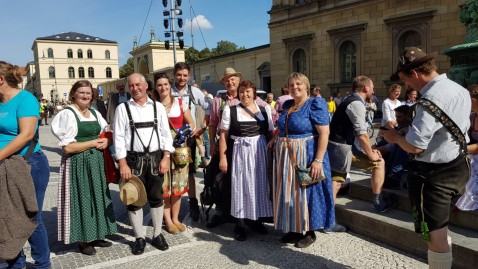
(318, 160)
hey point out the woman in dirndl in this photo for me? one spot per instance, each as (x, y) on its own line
(301, 210)
(243, 154)
(176, 181)
(85, 210)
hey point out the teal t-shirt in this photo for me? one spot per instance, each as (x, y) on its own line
(24, 104)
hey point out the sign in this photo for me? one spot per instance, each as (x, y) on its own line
(100, 90)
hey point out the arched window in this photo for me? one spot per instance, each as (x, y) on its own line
(108, 72)
(80, 54)
(50, 53)
(348, 61)
(91, 72)
(81, 72)
(107, 55)
(410, 39)
(51, 72)
(69, 53)
(71, 72)
(89, 54)
(299, 61)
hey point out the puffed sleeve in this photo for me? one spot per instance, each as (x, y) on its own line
(269, 117)
(64, 127)
(226, 118)
(319, 114)
(101, 120)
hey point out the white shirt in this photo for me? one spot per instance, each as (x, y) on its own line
(65, 128)
(226, 117)
(144, 113)
(388, 109)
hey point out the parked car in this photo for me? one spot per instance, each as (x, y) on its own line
(262, 94)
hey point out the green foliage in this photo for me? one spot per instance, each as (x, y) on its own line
(223, 47)
(127, 69)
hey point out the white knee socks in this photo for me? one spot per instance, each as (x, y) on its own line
(439, 260)
(136, 219)
(157, 218)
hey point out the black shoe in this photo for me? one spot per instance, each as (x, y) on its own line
(291, 237)
(160, 243)
(194, 209)
(306, 240)
(257, 226)
(138, 246)
(239, 233)
(87, 249)
(336, 229)
(101, 243)
(386, 204)
(216, 220)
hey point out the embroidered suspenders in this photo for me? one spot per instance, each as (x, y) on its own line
(138, 125)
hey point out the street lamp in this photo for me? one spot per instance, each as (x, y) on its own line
(54, 74)
(169, 22)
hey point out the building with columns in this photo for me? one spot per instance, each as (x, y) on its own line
(62, 59)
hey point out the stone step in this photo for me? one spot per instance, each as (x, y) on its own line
(362, 189)
(395, 229)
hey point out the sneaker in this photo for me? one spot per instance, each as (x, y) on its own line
(336, 229)
(386, 204)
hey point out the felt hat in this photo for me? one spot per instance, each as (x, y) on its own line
(228, 72)
(411, 57)
(132, 191)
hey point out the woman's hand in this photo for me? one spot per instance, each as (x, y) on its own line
(223, 165)
(164, 165)
(315, 169)
(101, 143)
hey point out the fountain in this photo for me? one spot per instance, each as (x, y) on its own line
(464, 57)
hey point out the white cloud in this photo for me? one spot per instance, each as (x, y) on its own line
(200, 20)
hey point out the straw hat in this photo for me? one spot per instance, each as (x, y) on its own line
(229, 71)
(132, 191)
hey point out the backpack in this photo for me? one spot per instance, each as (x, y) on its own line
(212, 177)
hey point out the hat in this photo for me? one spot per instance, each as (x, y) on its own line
(411, 57)
(229, 71)
(132, 191)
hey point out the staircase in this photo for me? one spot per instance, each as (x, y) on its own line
(395, 228)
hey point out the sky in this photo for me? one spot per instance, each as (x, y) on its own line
(244, 23)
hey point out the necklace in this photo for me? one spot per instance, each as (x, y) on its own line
(296, 107)
(84, 112)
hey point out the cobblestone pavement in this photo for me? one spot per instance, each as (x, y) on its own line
(199, 247)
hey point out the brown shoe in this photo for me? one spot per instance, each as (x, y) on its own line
(181, 227)
(172, 229)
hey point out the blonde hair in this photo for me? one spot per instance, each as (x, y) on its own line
(11, 73)
(301, 77)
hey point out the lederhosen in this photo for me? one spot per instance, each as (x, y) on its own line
(145, 164)
(238, 129)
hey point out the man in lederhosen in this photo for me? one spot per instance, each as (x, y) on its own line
(143, 144)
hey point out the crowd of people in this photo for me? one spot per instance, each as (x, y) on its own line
(156, 132)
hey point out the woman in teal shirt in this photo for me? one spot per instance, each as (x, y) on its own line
(19, 113)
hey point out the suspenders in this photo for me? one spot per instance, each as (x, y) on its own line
(135, 126)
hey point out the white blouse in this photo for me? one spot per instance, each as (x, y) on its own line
(226, 117)
(174, 112)
(65, 128)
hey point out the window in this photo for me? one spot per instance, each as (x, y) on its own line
(91, 72)
(410, 39)
(69, 53)
(50, 53)
(80, 54)
(348, 61)
(107, 55)
(108, 72)
(71, 72)
(299, 61)
(89, 54)
(51, 72)
(81, 72)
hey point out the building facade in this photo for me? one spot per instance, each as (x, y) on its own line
(332, 41)
(62, 59)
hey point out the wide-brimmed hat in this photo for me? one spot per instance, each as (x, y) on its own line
(229, 71)
(132, 191)
(409, 58)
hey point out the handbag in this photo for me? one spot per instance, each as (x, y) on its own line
(302, 174)
(112, 174)
(340, 157)
(182, 155)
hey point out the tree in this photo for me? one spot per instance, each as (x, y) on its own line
(205, 53)
(225, 47)
(192, 55)
(127, 69)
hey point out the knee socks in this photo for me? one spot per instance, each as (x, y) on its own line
(136, 219)
(157, 218)
(439, 260)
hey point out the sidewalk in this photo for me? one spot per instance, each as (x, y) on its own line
(199, 247)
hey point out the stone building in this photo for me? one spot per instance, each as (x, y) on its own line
(332, 41)
(62, 59)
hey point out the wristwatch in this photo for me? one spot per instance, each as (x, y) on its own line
(203, 127)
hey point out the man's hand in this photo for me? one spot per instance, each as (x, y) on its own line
(390, 135)
(197, 132)
(164, 165)
(125, 171)
(212, 147)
